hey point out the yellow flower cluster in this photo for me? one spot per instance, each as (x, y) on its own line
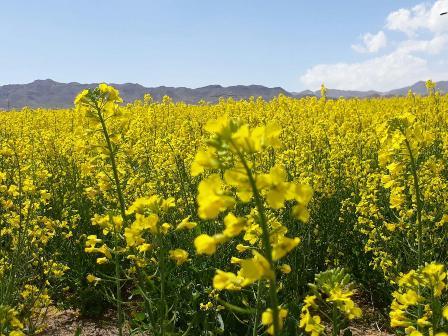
(27, 232)
(233, 149)
(268, 320)
(154, 191)
(411, 177)
(10, 325)
(417, 307)
(228, 149)
(331, 298)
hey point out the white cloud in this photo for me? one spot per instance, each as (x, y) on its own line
(434, 46)
(407, 20)
(420, 17)
(371, 43)
(412, 59)
(379, 73)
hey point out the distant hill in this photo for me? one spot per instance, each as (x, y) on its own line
(333, 93)
(419, 88)
(48, 93)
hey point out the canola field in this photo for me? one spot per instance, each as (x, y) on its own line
(284, 217)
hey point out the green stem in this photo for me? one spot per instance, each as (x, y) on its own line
(113, 164)
(419, 216)
(161, 256)
(419, 203)
(239, 310)
(123, 215)
(118, 286)
(257, 311)
(267, 249)
(334, 320)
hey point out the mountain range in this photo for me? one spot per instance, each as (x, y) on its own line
(50, 94)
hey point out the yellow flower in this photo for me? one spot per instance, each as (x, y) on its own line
(143, 204)
(92, 278)
(218, 126)
(205, 244)
(255, 140)
(310, 301)
(186, 224)
(285, 268)
(12, 314)
(436, 275)
(409, 330)
(253, 233)
(144, 247)
(92, 240)
(283, 246)
(311, 324)
(409, 298)
(226, 280)
(242, 248)
(235, 260)
(165, 228)
(81, 97)
(108, 223)
(279, 189)
(390, 226)
(397, 197)
(204, 159)
(416, 333)
(398, 319)
(234, 225)
(267, 319)
(179, 256)
(272, 134)
(111, 94)
(168, 203)
(351, 310)
(254, 269)
(211, 198)
(133, 235)
(105, 250)
(206, 306)
(342, 299)
(303, 193)
(301, 213)
(237, 177)
(445, 312)
(147, 222)
(16, 333)
(101, 261)
(423, 321)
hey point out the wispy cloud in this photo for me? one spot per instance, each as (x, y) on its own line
(421, 17)
(371, 43)
(411, 57)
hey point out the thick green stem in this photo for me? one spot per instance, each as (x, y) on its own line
(267, 249)
(114, 165)
(123, 215)
(334, 319)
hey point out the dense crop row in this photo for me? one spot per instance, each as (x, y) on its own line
(214, 218)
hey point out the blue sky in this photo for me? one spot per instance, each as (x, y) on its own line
(292, 44)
